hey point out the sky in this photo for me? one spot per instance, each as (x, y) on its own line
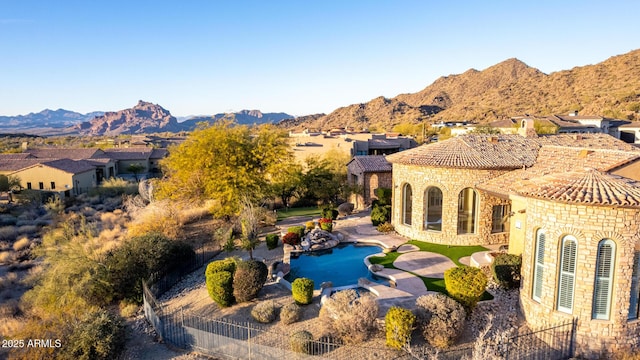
(301, 57)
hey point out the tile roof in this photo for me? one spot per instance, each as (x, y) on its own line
(586, 141)
(158, 153)
(71, 166)
(588, 186)
(474, 152)
(75, 154)
(128, 153)
(15, 156)
(371, 163)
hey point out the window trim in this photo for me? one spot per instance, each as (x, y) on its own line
(427, 205)
(505, 209)
(538, 265)
(567, 278)
(407, 204)
(598, 280)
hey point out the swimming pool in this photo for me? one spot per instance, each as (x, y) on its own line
(342, 265)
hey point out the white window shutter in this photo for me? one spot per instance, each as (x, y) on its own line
(567, 274)
(539, 266)
(604, 280)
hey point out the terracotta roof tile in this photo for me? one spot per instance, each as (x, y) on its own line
(474, 152)
(371, 163)
(588, 186)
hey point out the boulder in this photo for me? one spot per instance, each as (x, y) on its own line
(345, 209)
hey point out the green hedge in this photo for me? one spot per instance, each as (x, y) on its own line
(299, 230)
(465, 285)
(302, 291)
(248, 279)
(380, 214)
(506, 270)
(398, 325)
(383, 195)
(220, 288)
(272, 241)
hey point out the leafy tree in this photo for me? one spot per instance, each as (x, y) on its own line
(484, 129)
(135, 169)
(288, 183)
(223, 162)
(7, 183)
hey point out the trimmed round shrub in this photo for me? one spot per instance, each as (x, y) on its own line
(465, 285)
(228, 264)
(348, 316)
(290, 313)
(330, 213)
(441, 319)
(272, 241)
(310, 225)
(398, 325)
(248, 279)
(291, 238)
(264, 312)
(506, 270)
(302, 291)
(380, 214)
(301, 342)
(220, 288)
(299, 230)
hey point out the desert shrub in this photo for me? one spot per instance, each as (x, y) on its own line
(157, 218)
(101, 335)
(136, 259)
(302, 291)
(348, 316)
(441, 319)
(326, 224)
(248, 279)
(8, 233)
(398, 325)
(272, 241)
(506, 270)
(264, 312)
(383, 195)
(329, 213)
(291, 239)
(228, 264)
(220, 288)
(465, 285)
(298, 230)
(290, 313)
(5, 257)
(21, 243)
(128, 309)
(301, 342)
(27, 229)
(380, 214)
(114, 187)
(310, 225)
(54, 205)
(385, 227)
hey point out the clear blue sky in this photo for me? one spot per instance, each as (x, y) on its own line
(299, 57)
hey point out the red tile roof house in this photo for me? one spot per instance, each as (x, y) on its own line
(568, 203)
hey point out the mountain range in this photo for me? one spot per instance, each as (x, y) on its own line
(610, 88)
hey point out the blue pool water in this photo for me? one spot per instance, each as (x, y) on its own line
(342, 265)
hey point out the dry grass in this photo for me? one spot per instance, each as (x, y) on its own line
(9, 326)
(21, 243)
(188, 216)
(6, 257)
(8, 233)
(128, 309)
(156, 217)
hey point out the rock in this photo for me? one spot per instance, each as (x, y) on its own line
(376, 267)
(340, 237)
(345, 209)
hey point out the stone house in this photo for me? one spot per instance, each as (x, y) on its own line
(568, 203)
(369, 172)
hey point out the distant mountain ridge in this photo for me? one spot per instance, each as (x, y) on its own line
(610, 88)
(53, 119)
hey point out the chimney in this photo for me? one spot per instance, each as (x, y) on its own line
(493, 139)
(526, 128)
(574, 113)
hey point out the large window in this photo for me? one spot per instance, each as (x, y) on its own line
(566, 280)
(407, 203)
(467, 208)
(538, 268)
(500, 218)
(433, 209)
(604, 279)
(634, 308)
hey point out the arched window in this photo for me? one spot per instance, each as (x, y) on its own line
(467, 208)
(538, 268)
(634, 304)
(567, 276)
(433, 209)
(604, 279)
(407, 200)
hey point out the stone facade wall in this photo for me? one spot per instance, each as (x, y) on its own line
(450, 182)
(369, 182)
(589, 224)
